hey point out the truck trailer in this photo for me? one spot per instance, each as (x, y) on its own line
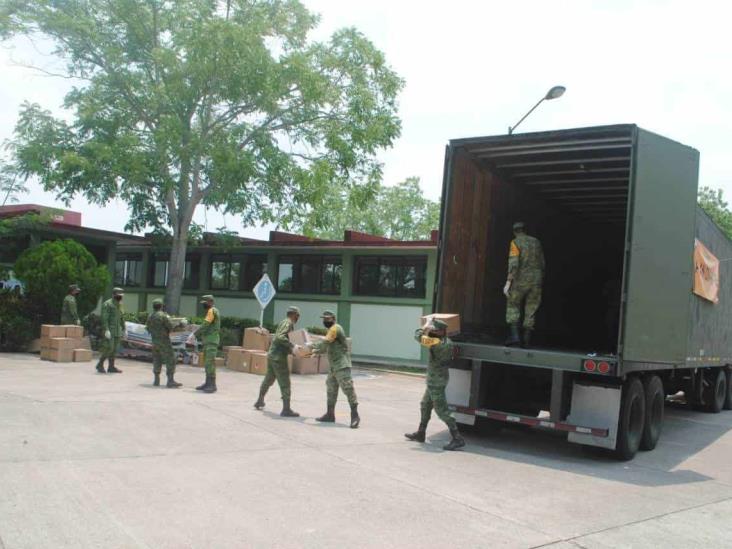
(636, 303)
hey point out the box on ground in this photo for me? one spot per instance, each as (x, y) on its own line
(57, 355)
(305, 366)
(74, 331)
(237, 360)
(63, 343)
(452, 320)
(82, 355)
(51, 330)
(84, 343)
(256, 338)
(220, 362)
(257, 362)
(227, 348)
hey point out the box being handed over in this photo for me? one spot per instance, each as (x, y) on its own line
(256, 339)
(452, 320)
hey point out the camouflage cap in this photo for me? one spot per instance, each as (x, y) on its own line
(519, 225)
(293, 309)
(438, 324)
(327, 314)
(118, 291)
(157, 301)
(206, 298)
(74, 288)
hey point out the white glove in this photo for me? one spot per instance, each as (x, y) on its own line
(107, 335)
(507, 288)
(184, 322)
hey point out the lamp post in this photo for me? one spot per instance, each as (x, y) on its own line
(554, 93)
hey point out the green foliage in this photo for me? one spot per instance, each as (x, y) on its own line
(11, 186)
(47, 271)
(226, 104)
(317, 330)
(16, 325)
(712, 201)
(400, 212)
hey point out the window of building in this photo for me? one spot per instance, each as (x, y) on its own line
(225, 272)
(254, 267)
(390, 276)
(128, 270)
(160, 267)
(309, 274)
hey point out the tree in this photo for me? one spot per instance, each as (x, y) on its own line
(190, 102)
(712, 201)
(400, 212)
(10, 185)
(48, 269)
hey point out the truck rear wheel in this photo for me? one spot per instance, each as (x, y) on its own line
(631, 420)
(728, 400)
(655, 402)
(715, 390)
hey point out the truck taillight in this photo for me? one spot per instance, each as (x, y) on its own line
(603, 367)
(590, 366)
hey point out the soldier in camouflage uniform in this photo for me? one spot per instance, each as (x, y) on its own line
(277, 363)
(209, 334)
(442, 352)
(523, 287)
(113, 326)
(159, 324)
(69, 313)
(335, 345)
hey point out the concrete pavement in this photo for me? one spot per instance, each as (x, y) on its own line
(89, 460)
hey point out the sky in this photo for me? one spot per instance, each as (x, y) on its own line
(475, 67)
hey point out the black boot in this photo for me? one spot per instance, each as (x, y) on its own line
(419, 434)
(100, 366)
(286, 410)
(205, 384)
(457, 440)
(329, 416)
(172, 383)
(111, 369)
(513, 336)
(156, 383)
(211, 385)
(526, 340)
(355, 418)
(260, 401)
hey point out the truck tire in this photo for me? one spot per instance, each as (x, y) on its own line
(631, 420)
(728, 400)
(715, 390)
(655, 403)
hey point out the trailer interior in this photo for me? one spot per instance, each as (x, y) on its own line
(571, 189)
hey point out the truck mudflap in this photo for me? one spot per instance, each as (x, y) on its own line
(528, 420)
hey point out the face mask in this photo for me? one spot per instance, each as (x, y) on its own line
(328, 323)
(206, 306)
(118, 298)
(435, 334)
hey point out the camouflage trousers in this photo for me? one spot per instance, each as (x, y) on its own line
(526, 296)
(277, 370)
(340, 378)
(108, 348)
(163, 354)
(434, 398)
(209, 358)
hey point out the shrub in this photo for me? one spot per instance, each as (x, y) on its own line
(47, 271)
(317, 330)
(16, 326)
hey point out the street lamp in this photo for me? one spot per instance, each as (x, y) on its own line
(554, 93)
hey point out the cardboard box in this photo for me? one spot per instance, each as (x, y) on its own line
(256, 338)
(84, 343)
(51, 330)
(197, 360)
(73, 331)
(452, 319)
(219, 362)
(258, 362)
(228, 348)
(238, 360)
(299, 337)
(300, 351)
(63, 343)
(323, 364)
(58, 355)
(82, 355)
(45, 353)
(305, 366)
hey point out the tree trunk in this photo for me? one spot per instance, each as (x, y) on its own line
(176, 270)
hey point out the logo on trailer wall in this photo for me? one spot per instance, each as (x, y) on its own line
(706, 273)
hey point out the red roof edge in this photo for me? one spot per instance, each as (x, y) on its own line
(282, 237)
(356, 236)
(64, 217)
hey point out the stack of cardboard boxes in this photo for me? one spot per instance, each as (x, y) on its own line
(64, 343)
(251, 357)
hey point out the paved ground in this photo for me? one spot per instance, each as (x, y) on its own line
(110, 461)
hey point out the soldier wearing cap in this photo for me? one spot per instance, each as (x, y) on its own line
(523, 287)
(113, 326)
(69, 312)
(159, 324)
(277, 363)
(442, 352)
(209, 334)
(335, 345)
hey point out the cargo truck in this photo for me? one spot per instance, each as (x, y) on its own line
(622, 324)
